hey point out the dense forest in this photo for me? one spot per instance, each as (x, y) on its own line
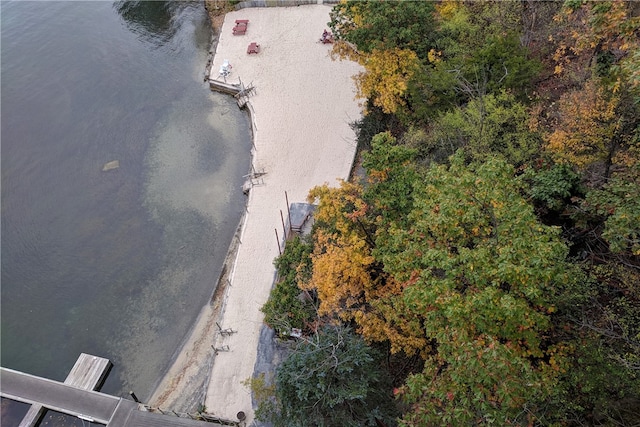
(482, 265)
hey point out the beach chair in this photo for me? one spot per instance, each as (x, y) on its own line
(225, 69)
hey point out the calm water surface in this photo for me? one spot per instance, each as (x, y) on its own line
(118, 263)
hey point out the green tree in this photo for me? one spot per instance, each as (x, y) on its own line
(391, 173)
(477, 51)
(601, 385)
(332, 379)
(617, 204)
(551, 187)
(287, 306)
(487, 126)
(481, 273)
(384, 25)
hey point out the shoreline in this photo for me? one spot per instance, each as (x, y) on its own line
(301, 115)
(184, 385)
(171, 390)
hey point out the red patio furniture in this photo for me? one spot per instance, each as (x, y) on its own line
(241, 27)
(253, 48)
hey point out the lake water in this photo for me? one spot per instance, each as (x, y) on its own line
(119, 263)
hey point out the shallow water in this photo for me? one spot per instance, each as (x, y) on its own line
(118, 263)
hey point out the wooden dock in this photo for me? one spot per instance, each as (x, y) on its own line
(77, 396)
(224, 87)
(88, 373)
(239, 91)
(60, 397)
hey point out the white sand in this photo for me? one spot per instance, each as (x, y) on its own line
(302, 108)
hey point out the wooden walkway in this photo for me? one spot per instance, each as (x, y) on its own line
(88, 373)
(77, 397)
(58, 396)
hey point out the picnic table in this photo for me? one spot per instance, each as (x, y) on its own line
(253, 48)
(241, 27)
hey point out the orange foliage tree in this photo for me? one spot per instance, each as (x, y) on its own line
(604, 31)
(587, 126)
(595, 125)
(349, 281)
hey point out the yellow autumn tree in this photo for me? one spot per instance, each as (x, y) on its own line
(587, 126)
(386, 38)
(341, 257)
(349, 281)
(606, 31)
(387, 75)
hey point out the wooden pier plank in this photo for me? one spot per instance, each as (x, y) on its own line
(33, 416)
(224, 87)
(57, 396)
(77, 397)
(89, 372)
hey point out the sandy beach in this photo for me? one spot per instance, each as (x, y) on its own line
(301, 110)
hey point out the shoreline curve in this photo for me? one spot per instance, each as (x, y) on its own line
(302, 109)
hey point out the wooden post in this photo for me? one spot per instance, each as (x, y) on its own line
(288, 209)
(278, 241)
(284, 229)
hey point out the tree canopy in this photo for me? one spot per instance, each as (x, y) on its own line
(332, 378)
(489, 248)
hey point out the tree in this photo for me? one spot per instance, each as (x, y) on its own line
(595, 127)
(341, 259)
(390, 54)
(350, 221)
(618, 204)
(384, 25)
(480, 42)
(391, 174)
(606, 32)
(481, 273)
(332, 378)
(286, 307)
(601, 385)
(587, 127)
(477, 51)
(386, 78)
(551, 187)
(487, 126)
